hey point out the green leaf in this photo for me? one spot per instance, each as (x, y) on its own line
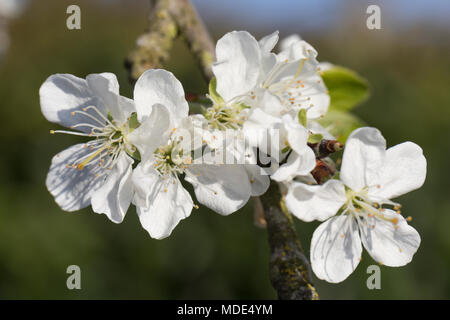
(346, 88)
(341, 124)
(302, 117)
(213, 91)
(133, 122)
(315, 138)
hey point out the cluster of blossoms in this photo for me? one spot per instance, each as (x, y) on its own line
(264, 106)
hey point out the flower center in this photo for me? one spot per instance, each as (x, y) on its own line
(359, 204)
(110, 139)
(293, 92)
(224, 116)
(171, 158)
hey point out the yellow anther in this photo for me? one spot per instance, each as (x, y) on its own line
(81, 165)
(52, 131)
(409, 218)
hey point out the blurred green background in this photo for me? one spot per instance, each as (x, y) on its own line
(208, 256)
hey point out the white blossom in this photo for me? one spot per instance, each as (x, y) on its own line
(97, 172)
(370, 177)
(165, 141)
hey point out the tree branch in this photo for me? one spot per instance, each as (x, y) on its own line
(169, 19)
(289, 268)
(196, 35)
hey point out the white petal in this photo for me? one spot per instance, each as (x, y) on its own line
(298, 164)
(302, 50)
(364, 152)
(316, 202)
(144, 178)
(315, 128)
(259, 182)
(316, 90)
(167, 202)
(238, 64)
(287, 171)
(153, 132)
(287, 42)
(268, 102)
(390, 244)
(307, 162)
(220, 187)
(62, 94)
(157, 86)
(297, 135)
(257, 130)
(336, 249)
(72, 188)
(269, 42)
(105, 86)
(404, 169)
(115, 195)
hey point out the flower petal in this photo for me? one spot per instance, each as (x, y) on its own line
(105, 86)
(387, 243)
(156, 86)
(167, 202)
(364, 152)
(220, 187)
(152, 133)
(287, 42)
(297, 135)
(115, 195)
(315, 127)
(404, 169)
(259, 182)
(62, 94)
(316, 202)
(298, 164)
(269, 42)
(287, 171)
(336, 249)
(238, 64)
(72, 188)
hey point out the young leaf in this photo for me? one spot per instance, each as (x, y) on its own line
(302, 117)
(346, 88)
(213, 92)
(315, 138)
(340, 124)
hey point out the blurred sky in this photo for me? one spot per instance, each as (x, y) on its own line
(321, 14)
